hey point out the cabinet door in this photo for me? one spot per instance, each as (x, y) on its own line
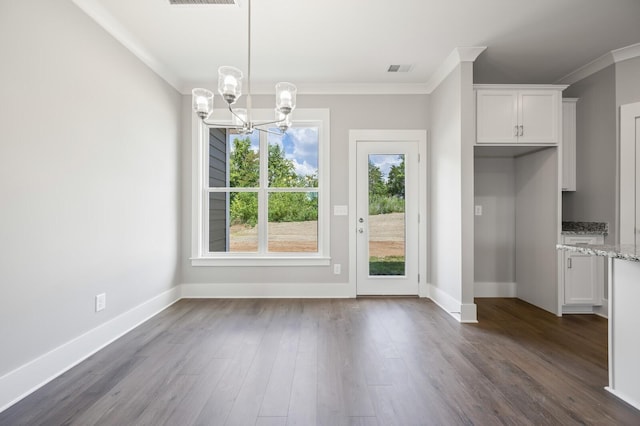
(496, 116)
(539, 116)
(580, 283)
(569, 145)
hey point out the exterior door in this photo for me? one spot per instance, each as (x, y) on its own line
(387, 210)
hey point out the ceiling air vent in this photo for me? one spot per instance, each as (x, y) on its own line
(203, 2)
(400, 68)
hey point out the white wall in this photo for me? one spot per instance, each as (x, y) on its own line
(537, 228)
(494, 230)
(347, 112)
(89, 178)
(595, 197)
(445, 204)
(451, 197)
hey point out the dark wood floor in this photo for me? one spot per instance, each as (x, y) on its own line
(333, 362)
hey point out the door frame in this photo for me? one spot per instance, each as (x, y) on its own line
(366, 135)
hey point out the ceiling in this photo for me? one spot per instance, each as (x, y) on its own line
(334, 46)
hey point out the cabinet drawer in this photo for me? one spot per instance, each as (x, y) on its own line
(583, 239)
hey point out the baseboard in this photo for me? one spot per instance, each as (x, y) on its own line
(494, 289)
(603, 310)
(625, 398)
(31, 376)
(577, 309)
(465, 313)
(268, 290)
(468, 313)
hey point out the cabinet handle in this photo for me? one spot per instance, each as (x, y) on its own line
(521, 131)
(515, 130)
(569, 263)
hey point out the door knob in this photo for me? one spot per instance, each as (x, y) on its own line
(361, 230)
(361, 220)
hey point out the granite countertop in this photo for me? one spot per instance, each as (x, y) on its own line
(618, 251)
(585, 228)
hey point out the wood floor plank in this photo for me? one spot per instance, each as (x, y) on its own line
(195, 398)
(246, 407)
(278, 393)
(373, 361)
(271, 421)
(303, 402)
(242, 352)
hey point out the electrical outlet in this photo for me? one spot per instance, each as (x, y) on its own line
(478, 210)
(337, 268)
(101, 302)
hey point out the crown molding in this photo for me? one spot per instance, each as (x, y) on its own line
(330, 88)
(520, 86)
(625, 53)
(608, 59)
(458, 55)
(111, 25)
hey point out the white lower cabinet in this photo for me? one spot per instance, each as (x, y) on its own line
(583, 276)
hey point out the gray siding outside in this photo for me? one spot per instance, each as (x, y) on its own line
(218, 202)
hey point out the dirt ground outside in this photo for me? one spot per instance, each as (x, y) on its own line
(386, 236)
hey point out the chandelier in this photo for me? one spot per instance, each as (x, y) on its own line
(230, 89)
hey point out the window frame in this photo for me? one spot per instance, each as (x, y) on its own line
(200, 255)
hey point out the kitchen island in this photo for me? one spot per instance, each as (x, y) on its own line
(624, 318)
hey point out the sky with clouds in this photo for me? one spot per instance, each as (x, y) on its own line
(384, 162)
(300, 145)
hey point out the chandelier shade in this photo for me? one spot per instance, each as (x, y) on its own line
(285, 97)
(202, 102)
(229, 83)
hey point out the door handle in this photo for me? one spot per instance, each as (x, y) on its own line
(568, 263)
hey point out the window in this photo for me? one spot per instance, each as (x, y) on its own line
(262, 198)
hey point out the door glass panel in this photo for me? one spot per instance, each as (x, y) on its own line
(386, 214)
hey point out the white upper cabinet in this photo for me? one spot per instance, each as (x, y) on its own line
(496, 116)
(508, 114)
(569, 144)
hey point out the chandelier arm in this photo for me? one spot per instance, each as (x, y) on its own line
(222, 125)
(269, 131)
(266, 123)
(244, 123)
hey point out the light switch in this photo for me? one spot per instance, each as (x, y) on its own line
(340, 210)
(478, 210)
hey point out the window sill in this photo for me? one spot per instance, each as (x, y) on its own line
(262, 261)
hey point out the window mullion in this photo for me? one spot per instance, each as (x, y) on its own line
(204, 183)
(263, 199)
